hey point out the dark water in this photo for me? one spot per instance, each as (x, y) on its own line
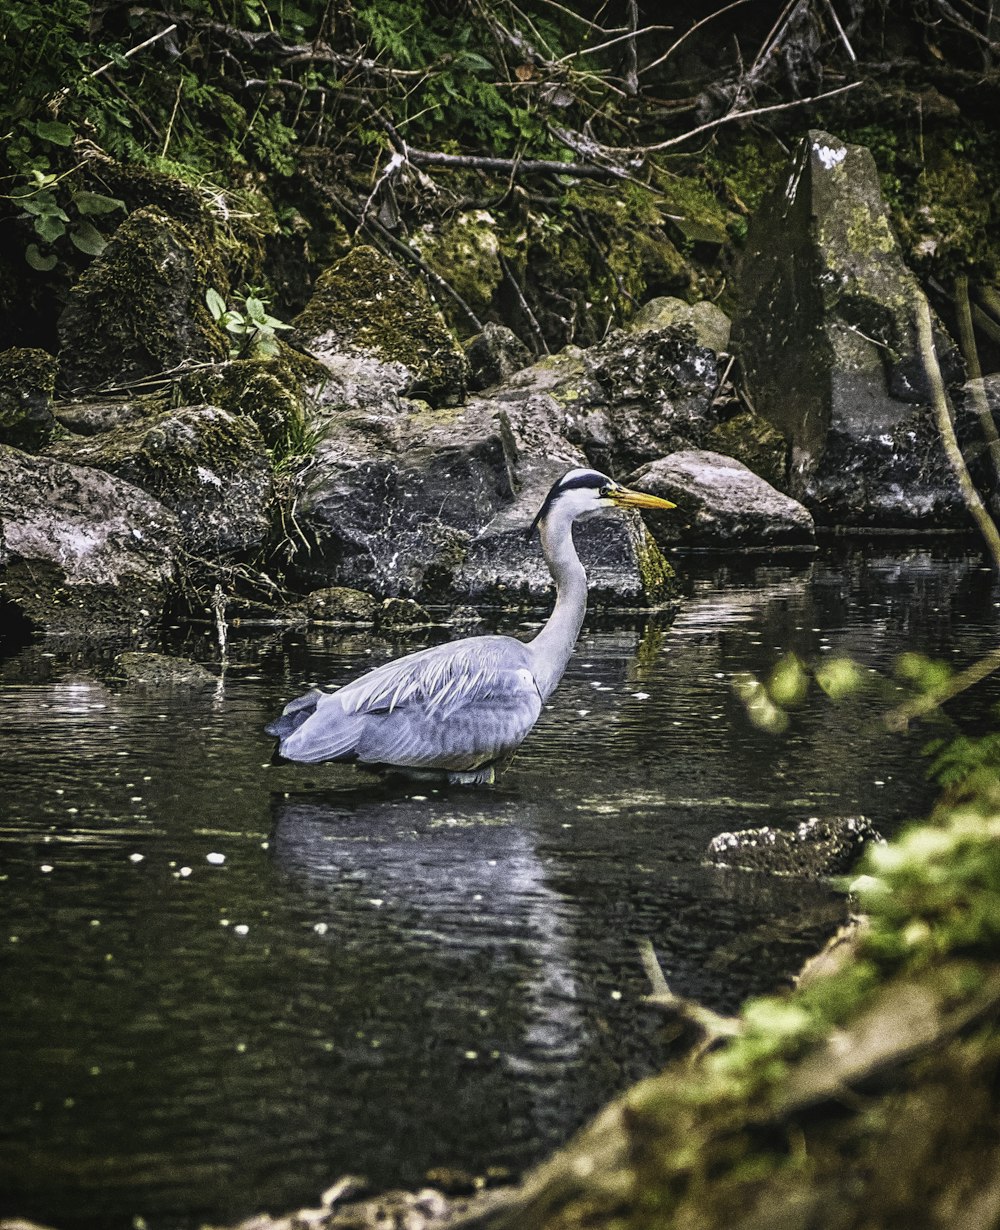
(224, 983)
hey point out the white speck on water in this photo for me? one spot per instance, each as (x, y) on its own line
(471, 1054)
(616, 994)
(418, 798)
(641, 695)
(265, 845)
(217, 859)
(321, 928)
(241, 1047)
(241, 929)
(72, 811)
(95, 922)
(583, 712)
(184, 872)
(377, 902)
(136, 798)
(136, 858)
(223, 922)
(47, 867)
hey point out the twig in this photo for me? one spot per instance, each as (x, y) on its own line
(548, 166)
(970, 352)
(841, 31)
(173, 115)
(533, 324)
(711, 1024)
(946, 429)
(687, 34)
(899, 719)
(132, 50)
(728, 118)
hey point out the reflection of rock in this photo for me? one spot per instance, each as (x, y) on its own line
(720, 503)
(826, 334)
(814, 849)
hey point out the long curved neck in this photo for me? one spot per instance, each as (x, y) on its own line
(552, 647)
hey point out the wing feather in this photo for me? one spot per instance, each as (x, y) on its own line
(454, 706)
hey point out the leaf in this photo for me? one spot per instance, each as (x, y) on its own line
(50, 227)
(36, 260)
(216, 303)
(88, 238)
(474, 61)
(96, 203)
(54, 131)
(255, 309)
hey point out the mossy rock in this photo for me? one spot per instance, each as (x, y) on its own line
(465, 251)
(339, 604)
(265, 390)
(752, 440)
(162, 670)
(365, 303)
(208, 466)
(27, 382)
(139, 309)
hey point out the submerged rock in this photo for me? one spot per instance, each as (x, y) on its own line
(211, 467)
(81, 550)
(339, 605)
(814, 849)
(160, 669)
(826, 334)
(139, 308)
(27, 382)
(396, 613)
(720, 503)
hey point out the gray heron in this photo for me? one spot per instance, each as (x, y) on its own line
(460, 709)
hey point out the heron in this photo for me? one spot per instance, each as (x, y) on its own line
(460, 710)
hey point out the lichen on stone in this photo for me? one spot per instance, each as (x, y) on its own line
(27, 383)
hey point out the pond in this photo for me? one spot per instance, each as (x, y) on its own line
(227, 983)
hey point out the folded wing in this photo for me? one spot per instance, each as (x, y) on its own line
(457, 706)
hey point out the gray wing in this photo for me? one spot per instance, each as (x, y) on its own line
(456, 706)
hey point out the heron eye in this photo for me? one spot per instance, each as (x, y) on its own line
(604, 491)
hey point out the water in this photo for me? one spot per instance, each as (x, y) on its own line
(225, 983)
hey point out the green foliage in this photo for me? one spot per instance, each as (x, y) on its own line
(254, 332)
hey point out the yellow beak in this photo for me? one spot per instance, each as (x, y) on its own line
(626, 498)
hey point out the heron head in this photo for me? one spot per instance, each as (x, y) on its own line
(582, 493)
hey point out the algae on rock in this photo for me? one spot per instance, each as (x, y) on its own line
(27, 383)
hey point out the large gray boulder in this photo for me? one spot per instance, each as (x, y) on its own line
(81, 550)
(207, 465)
(436, 504)
(721, 503)
(826, 335)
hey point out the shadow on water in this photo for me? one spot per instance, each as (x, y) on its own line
(225, 983)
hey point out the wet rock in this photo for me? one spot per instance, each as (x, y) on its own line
(27, 382)
(436, 505)
(337, 604)
(266, 390)
(495, 355)
(81, 550)
(720, 503)
(139, 308)
(210, 467)
(396, 613)
(826, 334)
(638, 395)
(162, 670)
(365, 305)
(753, 440)
(814, 849)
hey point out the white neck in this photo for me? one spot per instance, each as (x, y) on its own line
(552, 647)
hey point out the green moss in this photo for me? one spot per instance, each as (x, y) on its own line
(265, 390)
(139, 309)
(27, 383)
(369, 304)
(754, 441)
(659, 580)
(465, 251)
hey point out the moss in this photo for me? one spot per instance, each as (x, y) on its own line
(369, 304)
(27, 383)
(659, 580)
(265, 390)
(754, 441)
(139, 309)
(465, 251)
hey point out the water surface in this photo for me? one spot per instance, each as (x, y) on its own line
(226, 983)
